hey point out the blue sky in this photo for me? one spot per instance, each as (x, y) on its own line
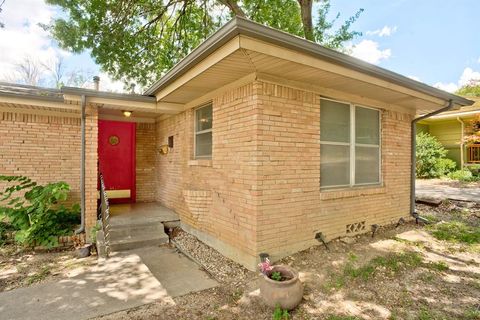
(436, 42)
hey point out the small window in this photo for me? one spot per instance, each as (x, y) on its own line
(349, 145)
(203, 132)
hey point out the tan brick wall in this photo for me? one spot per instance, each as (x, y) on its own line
(292, 208)
(47, 149)
(91, 167)
(214, 198)
(30, 146)
(261, 190)
(145, 162)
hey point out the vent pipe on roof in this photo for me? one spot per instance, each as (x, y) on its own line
(413, 146)
(96, 83)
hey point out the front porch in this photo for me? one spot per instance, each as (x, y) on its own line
(137, 225)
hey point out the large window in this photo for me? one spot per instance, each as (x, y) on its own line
(203, 132)
(350, 145)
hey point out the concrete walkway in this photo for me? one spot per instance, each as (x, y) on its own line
(124, 281)
(438, 189)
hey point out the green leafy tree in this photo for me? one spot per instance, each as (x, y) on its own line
(470, 89)
(139, 40)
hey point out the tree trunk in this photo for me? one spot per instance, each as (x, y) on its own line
(306, 11)
(234, 7)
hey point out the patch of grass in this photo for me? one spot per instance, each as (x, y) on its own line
(455, 231)
(393, 263)
(280, 314)
(39, 276)
(426, 314)
(430, 217)
(438, 266)
(472, 314)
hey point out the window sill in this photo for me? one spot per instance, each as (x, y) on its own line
(200, 163)
(351, 192)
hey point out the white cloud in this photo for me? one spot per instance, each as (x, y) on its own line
(369, 51)
(384, 32)
(478, 60)
(22, 37)
(415, 78)
(449, 87)
(466, 77)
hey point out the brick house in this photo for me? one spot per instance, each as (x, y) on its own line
(258, 140)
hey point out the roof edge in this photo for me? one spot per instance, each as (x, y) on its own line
(107, 95)
(246, 27)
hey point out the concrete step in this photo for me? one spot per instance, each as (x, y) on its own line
(136, 230)
(137, 241)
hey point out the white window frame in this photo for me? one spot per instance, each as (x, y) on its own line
(352, 144)
(196, 133)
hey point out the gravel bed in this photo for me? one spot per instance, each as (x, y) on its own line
(221, 268)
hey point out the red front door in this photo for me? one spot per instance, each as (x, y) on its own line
(116, 157)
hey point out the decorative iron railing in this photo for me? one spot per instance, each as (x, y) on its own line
(473, 153)
(105, 215)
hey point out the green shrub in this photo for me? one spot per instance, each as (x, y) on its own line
(475, 170)
(461, 175)
(430, 157)
(38, 215)
(445, 166)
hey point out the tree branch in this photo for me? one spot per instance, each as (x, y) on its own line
(234, 7)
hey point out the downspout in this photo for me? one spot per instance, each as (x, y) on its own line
(461, 142)
(83, 103)
(413, 155)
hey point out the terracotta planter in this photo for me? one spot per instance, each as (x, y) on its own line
(287, 294)
(84, 251)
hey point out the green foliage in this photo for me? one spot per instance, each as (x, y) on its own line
(38, 215)
(277, 276)
(438, 266)
(138, 41)
(445, 166)
(93, 232)
(455, 231)
(280, 314)
(475, 170)
(462, 175)
(471, 89)
(430, 157)
(472, 314)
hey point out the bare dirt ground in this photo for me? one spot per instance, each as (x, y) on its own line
(451, 183)
(401, 273)
(22, 268)
(409, 272)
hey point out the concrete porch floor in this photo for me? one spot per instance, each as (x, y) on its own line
(140, 213)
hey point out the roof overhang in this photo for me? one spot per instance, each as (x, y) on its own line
(243, 50)
(66, 102)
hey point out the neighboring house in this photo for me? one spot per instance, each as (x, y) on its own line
(258, 139)
(456, 131)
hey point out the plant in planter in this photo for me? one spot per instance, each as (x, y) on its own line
(280, 286)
